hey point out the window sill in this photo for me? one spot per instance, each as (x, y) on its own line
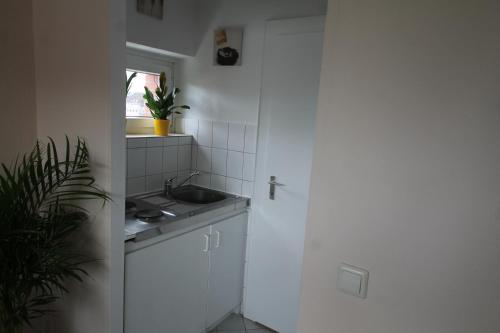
(139, 136)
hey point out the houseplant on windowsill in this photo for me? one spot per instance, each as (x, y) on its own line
(40, 213)
(162, 106)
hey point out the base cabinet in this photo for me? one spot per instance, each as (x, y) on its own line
(166, 284)
(187, 283)
(226, 267)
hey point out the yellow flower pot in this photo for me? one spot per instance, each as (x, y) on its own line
(162, 126)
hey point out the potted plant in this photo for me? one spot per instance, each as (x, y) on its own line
(162, 106)
(41, 197)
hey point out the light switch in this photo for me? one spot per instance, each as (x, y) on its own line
(352, 280)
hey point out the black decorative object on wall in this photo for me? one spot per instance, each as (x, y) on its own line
(153, 8)
(227, 46)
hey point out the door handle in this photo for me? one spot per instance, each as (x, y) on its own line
(207, 243)
(272, 187)
(217, 239)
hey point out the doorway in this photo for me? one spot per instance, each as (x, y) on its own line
(290, 83)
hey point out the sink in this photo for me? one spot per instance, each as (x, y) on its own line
(197, 195)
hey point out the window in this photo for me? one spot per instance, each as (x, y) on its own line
(148, 67)
(135, 105)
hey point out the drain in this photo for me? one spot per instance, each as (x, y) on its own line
(148, 214)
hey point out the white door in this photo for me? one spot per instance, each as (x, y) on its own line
(166, 285)
(290, 83)
(227, 257)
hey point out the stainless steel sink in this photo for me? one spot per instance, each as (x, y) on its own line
(143, 221)
(197, 195)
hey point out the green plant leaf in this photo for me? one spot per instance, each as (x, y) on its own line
(128, 82)
(185, 107)
(40, 210)
(161, 104)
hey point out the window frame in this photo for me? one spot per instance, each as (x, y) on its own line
(146, 62)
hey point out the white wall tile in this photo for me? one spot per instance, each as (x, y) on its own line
(234, 186)
(249, 167)
(224, 167)
(219, 134)
(163, 159)
(219, 161)
(236, 140)
(247, 190)
(184, 158)
(154, 142)
(171, 141)
(136, 143)
(204, 159)
(185, 140)
(170, 159)
(154, 160)
(218, 182)
(154, 182)
(203, 179)
(136, 185)
(250, 139)
(194, 156)
(205, 133)
(235, 164)
(136, 162)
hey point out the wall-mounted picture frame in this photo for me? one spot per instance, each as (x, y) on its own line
(153, 8)
(228, 44)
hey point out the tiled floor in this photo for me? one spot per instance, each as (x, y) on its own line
(238, 324)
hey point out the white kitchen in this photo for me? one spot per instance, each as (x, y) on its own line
(211, 243)
(223, 166)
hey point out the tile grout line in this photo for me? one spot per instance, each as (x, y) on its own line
(243, 164)
(227, 151)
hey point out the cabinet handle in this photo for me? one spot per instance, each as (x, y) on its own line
(207, 243)
(217, 241)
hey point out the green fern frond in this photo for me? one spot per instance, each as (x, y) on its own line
(40, 209)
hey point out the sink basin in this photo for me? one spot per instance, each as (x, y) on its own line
(198, 196)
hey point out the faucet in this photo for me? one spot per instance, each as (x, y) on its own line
(169, 183)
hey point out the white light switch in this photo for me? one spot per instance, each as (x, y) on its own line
(352, 280)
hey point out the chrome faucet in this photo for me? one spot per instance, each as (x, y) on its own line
(169, 183)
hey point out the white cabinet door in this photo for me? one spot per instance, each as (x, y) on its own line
(226, 267)
(166, 285)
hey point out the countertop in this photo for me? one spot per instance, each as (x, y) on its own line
(178, 217)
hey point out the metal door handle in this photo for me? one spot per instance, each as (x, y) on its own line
(272, 187)
(207, 243)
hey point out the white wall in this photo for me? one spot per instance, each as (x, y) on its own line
(232, 93)
(17, 80)
(406, 174)
(177, 32)
(79, 80)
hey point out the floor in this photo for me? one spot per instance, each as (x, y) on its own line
(238, 324)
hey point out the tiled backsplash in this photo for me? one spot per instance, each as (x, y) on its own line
(152, 160)
(223, 152)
